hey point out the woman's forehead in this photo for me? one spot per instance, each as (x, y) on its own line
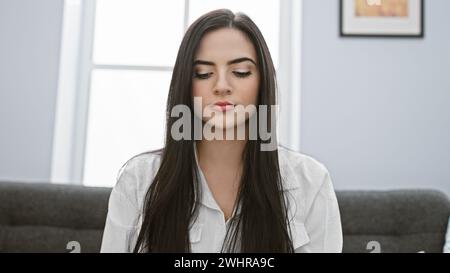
(225, 44)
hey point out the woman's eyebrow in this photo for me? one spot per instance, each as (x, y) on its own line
(238, 60)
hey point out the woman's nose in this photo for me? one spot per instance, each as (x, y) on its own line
(222, 86)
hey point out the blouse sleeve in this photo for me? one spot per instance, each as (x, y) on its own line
(323, 221)
(121, 226)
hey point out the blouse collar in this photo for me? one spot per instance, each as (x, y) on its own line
(289, 180)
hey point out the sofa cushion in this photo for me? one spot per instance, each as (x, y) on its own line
(400, 221)
(42, 217)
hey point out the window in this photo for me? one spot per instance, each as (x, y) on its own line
(127, 52)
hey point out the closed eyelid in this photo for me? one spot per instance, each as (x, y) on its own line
(203, 71)
(242, 68)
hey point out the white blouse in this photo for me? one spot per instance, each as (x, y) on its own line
(313, 207)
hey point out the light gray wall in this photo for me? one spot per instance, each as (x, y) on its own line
(376, 112)
(30, 34)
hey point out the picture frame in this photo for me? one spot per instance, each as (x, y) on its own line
(381, 18)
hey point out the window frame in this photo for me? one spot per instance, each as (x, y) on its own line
(72, 115)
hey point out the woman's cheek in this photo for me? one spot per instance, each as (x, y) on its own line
(250, 93)
(200, 92)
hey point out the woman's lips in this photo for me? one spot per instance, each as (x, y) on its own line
(223, 107)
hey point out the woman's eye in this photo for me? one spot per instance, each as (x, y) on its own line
(202, 76)
(242, 74)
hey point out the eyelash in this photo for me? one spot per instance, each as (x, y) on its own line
(242, 74)
(237, 74)
(202, 76)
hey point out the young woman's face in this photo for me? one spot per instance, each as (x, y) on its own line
(225, 72)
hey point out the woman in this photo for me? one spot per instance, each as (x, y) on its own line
(222, 195)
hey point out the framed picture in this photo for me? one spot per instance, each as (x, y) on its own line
(382, 18)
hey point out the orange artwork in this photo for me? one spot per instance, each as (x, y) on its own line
(381, 8)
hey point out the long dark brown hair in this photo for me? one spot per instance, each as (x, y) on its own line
(172, 200)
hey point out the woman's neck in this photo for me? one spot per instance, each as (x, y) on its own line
(222, 165)
(224, 154)
(221, 153)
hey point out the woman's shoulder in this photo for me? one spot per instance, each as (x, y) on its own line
(302, 170)
(136, 174)
(310, 183)
(145, 161)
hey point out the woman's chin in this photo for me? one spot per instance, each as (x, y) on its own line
(228, 131)
(226, 125)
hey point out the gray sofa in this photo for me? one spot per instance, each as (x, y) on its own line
(46, 217)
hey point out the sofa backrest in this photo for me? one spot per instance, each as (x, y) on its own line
(407, 221)
(46, 217)
(42, 217)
